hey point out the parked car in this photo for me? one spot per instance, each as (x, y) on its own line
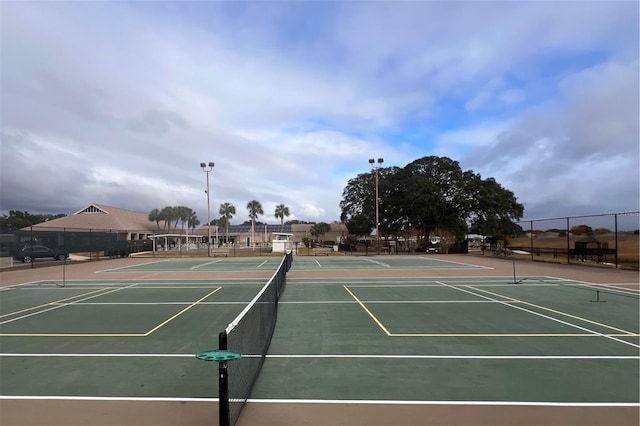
(28, 253)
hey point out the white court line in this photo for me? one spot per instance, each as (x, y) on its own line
(611, 288)
(70, 355)
(335, 356)
(128, 268)
(498, 280)
(544, 316)
(319, 265)
(66, 304)
(328, 401)
(159, 303)
(397, 402)
(105, 398)
(382, 302)
(492, 357)
(456, 263)
(386, 265)
(260, 265)
(205, 264)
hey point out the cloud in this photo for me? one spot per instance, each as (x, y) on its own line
(577, 155)
(118, 102)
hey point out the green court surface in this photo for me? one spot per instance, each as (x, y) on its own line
(302, 263)
(401, 339)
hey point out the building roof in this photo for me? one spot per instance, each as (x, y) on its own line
(102, 217)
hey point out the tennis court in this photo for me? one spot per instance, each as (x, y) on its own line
(359, 340)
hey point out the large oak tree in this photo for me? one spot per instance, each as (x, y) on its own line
(427, 194)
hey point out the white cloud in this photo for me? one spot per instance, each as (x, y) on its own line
(579, 155)
(118, 103)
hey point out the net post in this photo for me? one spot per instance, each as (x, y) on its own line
(223, 384)
(597, 297)
(64, 271)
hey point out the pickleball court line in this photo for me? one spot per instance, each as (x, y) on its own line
(544, 316)
(325, 401)
(66, 304)
(376, 262)
(331, 356)
(513, 300)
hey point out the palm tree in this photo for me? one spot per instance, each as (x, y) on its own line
(281, 212)
(255, 209)
(168, 215)
(222, 222)
(193, 221)
(227, 210)
(182, 215)
(155, 216)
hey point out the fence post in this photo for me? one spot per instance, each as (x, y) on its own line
(615, 221)
(568, 243)
(531, 237)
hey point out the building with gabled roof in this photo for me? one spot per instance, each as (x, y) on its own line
(99, 217)
(137, 226)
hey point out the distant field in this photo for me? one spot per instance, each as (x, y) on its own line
(628, 246)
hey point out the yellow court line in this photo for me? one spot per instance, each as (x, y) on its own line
(55, 302)
(508, 335)
(511, 299)
(181, 312)
(368, 311)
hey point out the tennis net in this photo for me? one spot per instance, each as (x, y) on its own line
(250, 334)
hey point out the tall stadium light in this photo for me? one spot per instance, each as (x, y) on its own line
(375, 168)
(207, 168)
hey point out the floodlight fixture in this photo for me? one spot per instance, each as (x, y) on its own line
(207, 171)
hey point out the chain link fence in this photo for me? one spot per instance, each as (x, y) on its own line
(604, 239)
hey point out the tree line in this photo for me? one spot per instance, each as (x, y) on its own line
(185, 215)
(17, 219)
(428, 196)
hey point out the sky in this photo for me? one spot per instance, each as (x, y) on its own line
(118, 103)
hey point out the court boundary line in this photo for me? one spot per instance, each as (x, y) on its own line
(119, 269)
(610, 335)
(330, 356)
(106, 398)
(489, 357)
(328, 401)
(610, 287)
(546, 316)
(376, 262)
(67, 304)
(42, 305)
(508, 280)
(513, 300)
(460, 263)
(510, 302)
(56, 306)
(356, 265)
(204, 264)
(495, 403)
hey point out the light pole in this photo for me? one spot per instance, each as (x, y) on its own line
(207, 168)
(374, 167)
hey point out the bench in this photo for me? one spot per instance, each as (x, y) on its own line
(220, 252)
